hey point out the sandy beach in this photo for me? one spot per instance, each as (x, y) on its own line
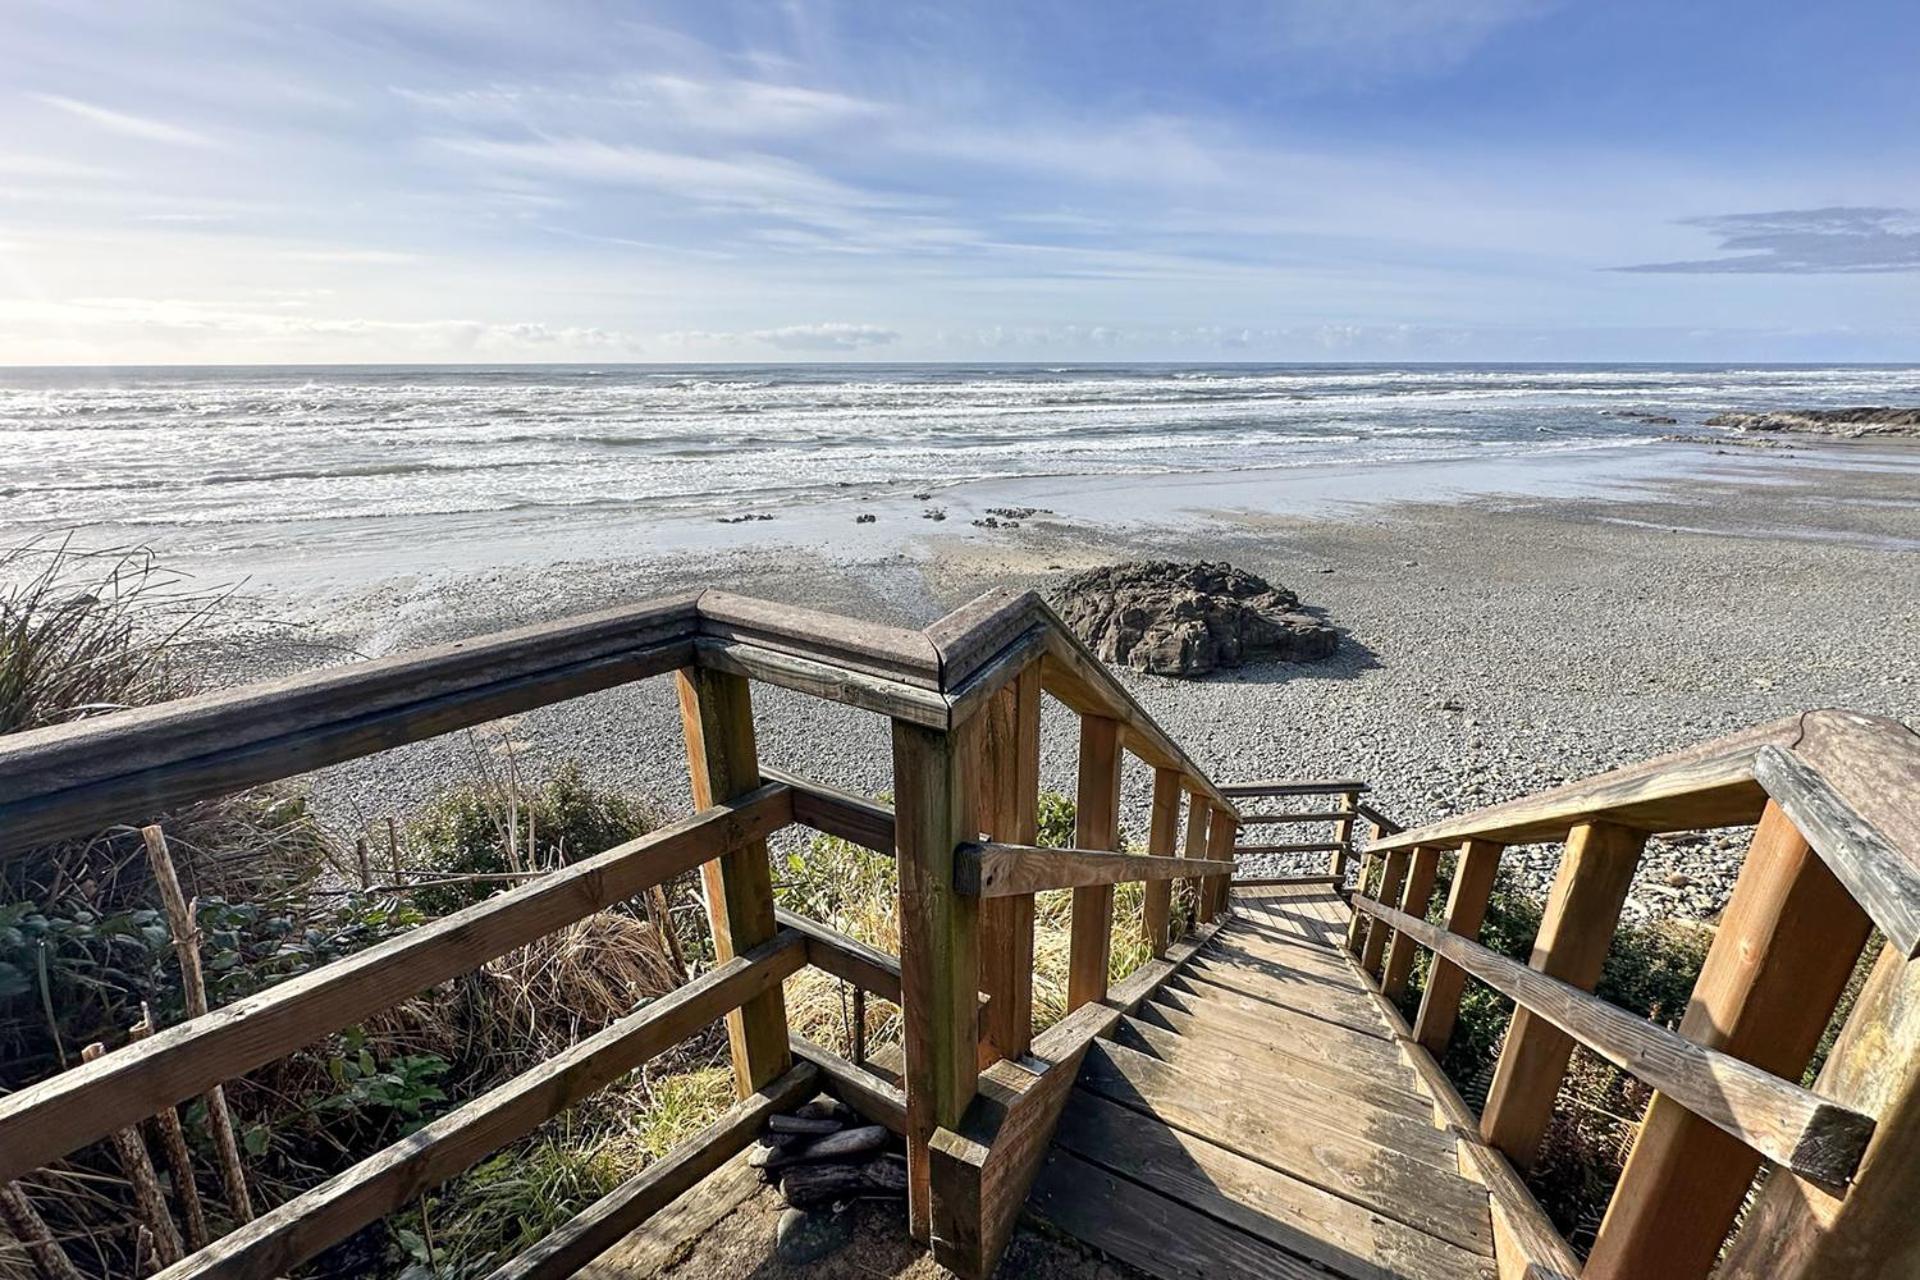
(1504, 627)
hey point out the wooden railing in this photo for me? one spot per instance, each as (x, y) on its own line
(1834, 857)
(1345, 793)
(981, 1091)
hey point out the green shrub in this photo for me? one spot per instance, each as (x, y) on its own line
(498, 828)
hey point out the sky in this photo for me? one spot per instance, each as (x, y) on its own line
(485, 181)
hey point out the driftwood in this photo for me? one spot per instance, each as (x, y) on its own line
(138, 1168)
(30, 1229)
(179, 1160)
(181, 918)
(807, 1185)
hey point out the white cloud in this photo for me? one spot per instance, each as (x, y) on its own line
(143, 127)
(824, 336)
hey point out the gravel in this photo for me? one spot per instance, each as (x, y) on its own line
(1489, 649)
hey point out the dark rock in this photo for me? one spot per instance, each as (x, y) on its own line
(1873, 420)
(816, 1184)
(805, 1236)
(815, 1125)
(1187, 620)
(867, 518)
(824, 1108)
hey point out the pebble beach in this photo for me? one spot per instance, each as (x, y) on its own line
(1493, 643)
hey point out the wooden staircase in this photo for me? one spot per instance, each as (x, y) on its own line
(1258, 1110)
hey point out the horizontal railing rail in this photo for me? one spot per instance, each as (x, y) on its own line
(1794, 1127)
(962, 697)
(1835, 854)
(1007, 870)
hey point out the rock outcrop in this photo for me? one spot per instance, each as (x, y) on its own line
(1174, 619)
(1850, 424)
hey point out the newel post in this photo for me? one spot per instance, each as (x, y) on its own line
(1007, 796)
(934, 810)
(716, 715)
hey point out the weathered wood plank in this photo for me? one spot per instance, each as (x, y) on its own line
(835, 812)
(939, 959)
(1418, 891)
(1194, 846)
(1473, 875)
(1786, 945)
(848, 959)
(1284, 1211)
(1163, 831)
(1122, 1218)
(897, 699)
(283, 1238)
(1434, 1200)
(1577, 927)
(587, 1235)
(1881, 878)
(1096, 826)
(1010, 870)
(1798, 1129)
(1298, 816)
(1393, 880)
(1144, 1033)
(716, 720)
(1799, 1230)
(1266, 850)
(47, 1120)
(1220, 837)
(1007, 783)
(893, 653)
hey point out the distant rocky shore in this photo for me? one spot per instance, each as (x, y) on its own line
(1848, 424)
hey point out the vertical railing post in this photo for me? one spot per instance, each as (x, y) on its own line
(1096, 826)
(1008, 790)
(933, 810)
(1343, 836)
(716, 717)
(1361, 925)
(1156, 909)
(1421, 873)
(1786, 945)
(1798, 1230)
(1583, 910)
(1195, 846)
(1223, 832)
(1473, 875)
(1393, 878)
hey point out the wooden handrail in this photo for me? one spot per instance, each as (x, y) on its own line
(868, 968)
(1817, 1139)
(277, 1241)
(1851, 775)
(1297, 787)
(836, 812)
(47, 1120)
(1004, 870)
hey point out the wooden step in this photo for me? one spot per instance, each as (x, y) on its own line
(1400, 1094)
(1265, 850)
(1309, 1036)
(1281, 1210)
(1404, 1186)
(1232, 1040)
(1364, 1030)
(1308, 815)
(1329, 1095)
(1308, 992)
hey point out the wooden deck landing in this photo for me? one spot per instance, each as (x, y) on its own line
(1258, 1119)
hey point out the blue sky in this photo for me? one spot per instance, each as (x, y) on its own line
(1079, 180)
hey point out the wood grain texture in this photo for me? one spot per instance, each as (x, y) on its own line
(587, 1235)
(288, 1235)
(1096, 827)
(893, 653)
(1790, 1125)
(1882, 878)
(45, 1121)
(1786, 945)
(1194, 845)
(990, 871)
(1414, 897)
(1008, 792)
(897, 699)
(1297, 787)
(716, 721)
(939, 959)
(1163, 834)
(1216, 886)
(1473, 875)
(1577, 927)
(1799, 1230)
(848, 959)
(1393, 881)
(835, 812)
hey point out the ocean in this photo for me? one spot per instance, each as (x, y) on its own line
(292, 453)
